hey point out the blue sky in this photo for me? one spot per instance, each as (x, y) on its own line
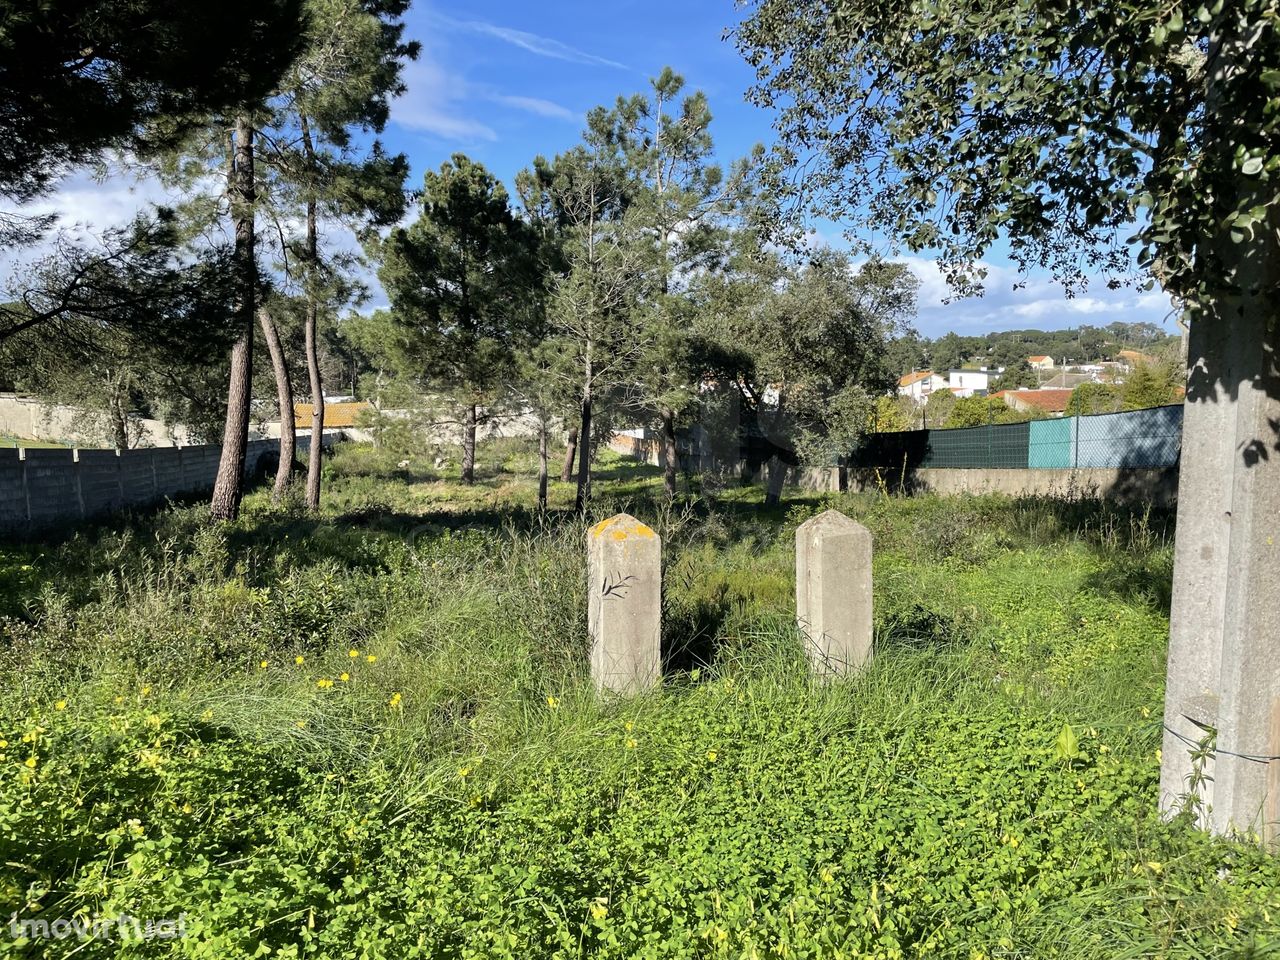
(504, 81)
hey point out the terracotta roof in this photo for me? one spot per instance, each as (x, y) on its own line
(907, 379)
(336, 415)
(1051, 401)
(1040, 359)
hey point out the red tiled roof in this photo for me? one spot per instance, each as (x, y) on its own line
(1051, 401)
(907, 379)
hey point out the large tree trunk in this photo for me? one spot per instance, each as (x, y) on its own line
(570, 452)
(1222, 697)
(583, 496)
(1223, 686)
(670, 456)
(316, 451)
(284, 399)
(119, 420)
(228, 488)
(542, 464)
(775, 478)
(469, 444)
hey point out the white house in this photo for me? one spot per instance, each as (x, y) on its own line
(1041, 363)
(967, 383)
(919, 384)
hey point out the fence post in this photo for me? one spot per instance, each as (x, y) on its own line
(624, 604)
(833, 592)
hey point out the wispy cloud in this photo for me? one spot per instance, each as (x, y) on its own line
(430, 104)
(542, 46)
(535, 105)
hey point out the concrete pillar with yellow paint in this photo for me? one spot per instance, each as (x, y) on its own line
(624, 605)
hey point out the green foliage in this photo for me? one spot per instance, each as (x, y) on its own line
(894, 414)
(1095, 398)
(1083, 122)
(83, 76)
(979, 411)
(1017, 374)
(987, 788)
(1150, 385)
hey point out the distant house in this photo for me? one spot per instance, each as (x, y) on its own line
(970, 383)
(337, 416)
(1041, 363)
(1052, 402)
(919, 384)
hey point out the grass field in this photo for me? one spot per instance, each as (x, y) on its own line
(11, 442)
(370, 734)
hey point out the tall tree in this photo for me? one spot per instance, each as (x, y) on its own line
(457, 280)
(228, 485)
(341, 84)
(592, 304)
(1066, 126)
(680, 199)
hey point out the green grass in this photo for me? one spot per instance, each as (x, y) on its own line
(11, 442)
(463, 794)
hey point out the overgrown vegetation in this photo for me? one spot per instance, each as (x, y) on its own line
(369, 733)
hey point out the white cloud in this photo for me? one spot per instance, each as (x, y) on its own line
(1048, 307)
(542, 46)
(536, 105)
(430, 104)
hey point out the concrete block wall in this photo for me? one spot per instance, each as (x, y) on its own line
(43, 488)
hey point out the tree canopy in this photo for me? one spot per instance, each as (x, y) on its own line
(77, 76)
(1060, 125)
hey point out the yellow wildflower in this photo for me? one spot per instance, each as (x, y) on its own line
(599, 910)
(262, 665)
(31, 762)
(299, 659)
(371, 658)
(631, 744)
(345, 677)
(146, 689)
(628, 726)
(464, 772)
(60, 705)
(3, 744)
(1155, 866)
(395, 699)
(353, 653)
(301, 724)
(553, 702)
(324, 683)
(207, 715)
(711, 756)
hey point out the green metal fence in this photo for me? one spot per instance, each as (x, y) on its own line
(1134, 438)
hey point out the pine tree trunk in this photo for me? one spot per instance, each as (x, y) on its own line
(469, 445)
(228, 488)
(316, 451)
(570, 452)
(119, 422)
(542, 464)
(670, 456)
(284, 399)
(776, 476)
(583, 496)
